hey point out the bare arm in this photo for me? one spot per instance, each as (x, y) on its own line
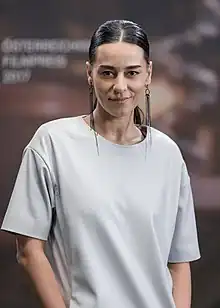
(32, 257)
(181, 277)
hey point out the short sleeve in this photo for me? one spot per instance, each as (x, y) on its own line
(30, 208)
(185, 246)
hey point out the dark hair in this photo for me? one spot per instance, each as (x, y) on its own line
(121, 31)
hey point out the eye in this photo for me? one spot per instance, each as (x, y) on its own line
(107, 74)
(132, 73)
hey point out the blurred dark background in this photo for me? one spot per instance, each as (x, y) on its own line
(43, 83)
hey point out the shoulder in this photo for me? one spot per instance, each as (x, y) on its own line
(165, 148)
(50, 133)
(163, 142)
(168, 156)
(59, 126)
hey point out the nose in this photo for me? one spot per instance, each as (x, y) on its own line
(120, 85)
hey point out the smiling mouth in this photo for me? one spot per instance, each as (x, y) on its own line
(119, 99)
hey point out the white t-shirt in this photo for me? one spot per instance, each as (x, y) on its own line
(112, 220)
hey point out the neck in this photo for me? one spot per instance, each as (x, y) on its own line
(120, 130)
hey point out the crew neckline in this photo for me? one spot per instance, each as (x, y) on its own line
(103, 139)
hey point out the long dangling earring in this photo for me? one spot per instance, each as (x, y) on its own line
(93, 104)
(148, 118)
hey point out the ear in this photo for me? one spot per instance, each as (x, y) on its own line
(89, 72)
(149, 73)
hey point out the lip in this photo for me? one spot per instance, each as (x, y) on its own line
(119, 99)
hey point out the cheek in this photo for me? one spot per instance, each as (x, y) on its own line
(138, 89)
(101, 87)
(138, 84)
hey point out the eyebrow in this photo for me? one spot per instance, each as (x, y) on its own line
(112, 67)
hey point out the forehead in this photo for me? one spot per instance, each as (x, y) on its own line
(119, 54)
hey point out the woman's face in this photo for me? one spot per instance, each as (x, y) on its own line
(119, 76)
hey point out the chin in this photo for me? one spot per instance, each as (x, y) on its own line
(118, 110)
(121, 113)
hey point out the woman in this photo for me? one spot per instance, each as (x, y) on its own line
(110, 199)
